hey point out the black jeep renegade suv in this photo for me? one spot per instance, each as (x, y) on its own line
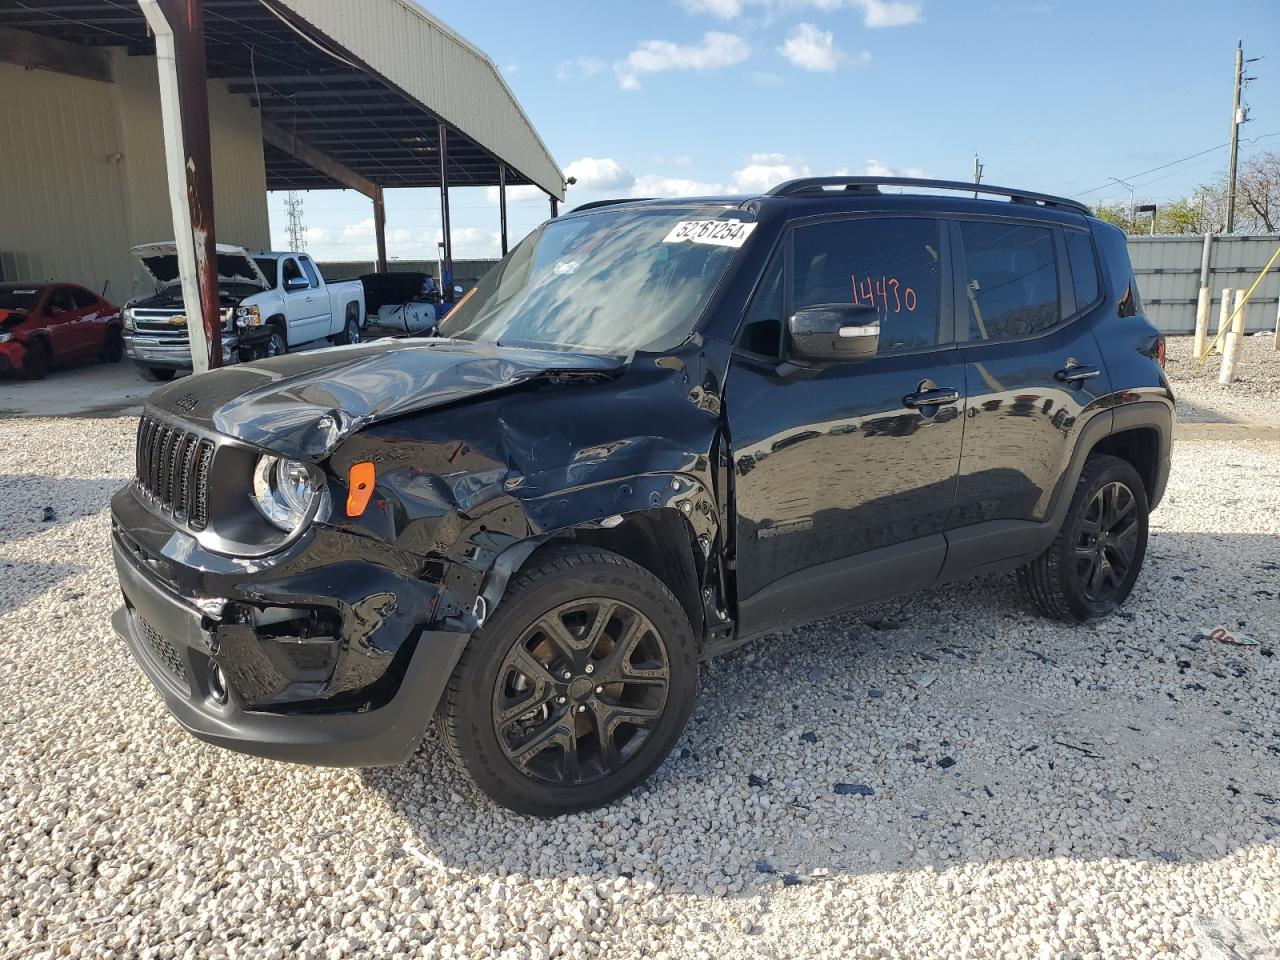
(657, 429)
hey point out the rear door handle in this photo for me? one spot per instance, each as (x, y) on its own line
(1076, 374)
(937, 397)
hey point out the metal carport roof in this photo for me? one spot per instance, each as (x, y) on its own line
(365, 83)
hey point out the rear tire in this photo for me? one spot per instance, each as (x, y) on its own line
(156, 374)
(113, 346)
(576, 689)
(35, 364)
(350, 333)
(1094, 561)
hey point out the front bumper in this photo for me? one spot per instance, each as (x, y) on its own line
(265, 712)
(174, 353)
(12, 355)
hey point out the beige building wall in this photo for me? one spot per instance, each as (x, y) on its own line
(84, 174)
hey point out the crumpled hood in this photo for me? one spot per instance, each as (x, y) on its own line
(9, 319)
(303, 405)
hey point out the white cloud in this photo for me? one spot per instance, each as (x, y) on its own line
(318, 235)
(511, 68)
(359, 231)
(766, 170)
(723, 9)
(875, 13)
(516, 194)
(604, 173)
(656, 185)
(579, 68)
(876, 168)
(657, 56)
(472, 243)
(889, 13)
(812, 49)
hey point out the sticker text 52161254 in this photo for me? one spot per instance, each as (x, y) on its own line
(717, 233)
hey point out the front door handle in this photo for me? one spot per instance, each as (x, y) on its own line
(1076, 374)
(936, 397)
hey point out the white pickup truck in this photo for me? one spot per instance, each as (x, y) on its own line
(270, 303)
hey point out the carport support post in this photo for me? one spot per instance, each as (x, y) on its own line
(380, 228)
(502, 204)
(178, 26)
(555, 206)
(446, 229)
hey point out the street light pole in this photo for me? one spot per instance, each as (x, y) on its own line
(1128, 186)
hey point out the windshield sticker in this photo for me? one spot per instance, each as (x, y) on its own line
(717, 233)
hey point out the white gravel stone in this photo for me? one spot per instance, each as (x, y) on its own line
(1115, 790)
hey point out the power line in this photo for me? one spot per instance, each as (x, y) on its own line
(1171, 163)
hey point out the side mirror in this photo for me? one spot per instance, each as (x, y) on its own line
(297, 283)
(835, 331)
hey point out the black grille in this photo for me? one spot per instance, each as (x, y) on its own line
(173, 466)
(164, 651)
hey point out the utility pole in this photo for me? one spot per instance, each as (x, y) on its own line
(297, 230)
(977, 174)
(1237, 117)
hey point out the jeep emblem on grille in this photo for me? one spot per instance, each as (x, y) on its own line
(186, 403)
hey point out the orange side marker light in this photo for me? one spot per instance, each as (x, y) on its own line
(359, 487)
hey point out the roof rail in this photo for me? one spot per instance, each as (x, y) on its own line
(816, 185)
(593, 204)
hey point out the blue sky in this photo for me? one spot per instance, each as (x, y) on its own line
(672, 97)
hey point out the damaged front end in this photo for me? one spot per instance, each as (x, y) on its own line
(335, 647)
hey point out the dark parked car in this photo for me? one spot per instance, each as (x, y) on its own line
(655, 431)
(43, 325)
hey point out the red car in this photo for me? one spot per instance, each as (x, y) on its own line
(43, 324)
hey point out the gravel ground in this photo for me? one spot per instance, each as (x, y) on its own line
(1015, 788)
(1254, 397)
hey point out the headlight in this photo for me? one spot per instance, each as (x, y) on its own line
(5, 337)
(249, 316)
(284, 491)
(129, 323)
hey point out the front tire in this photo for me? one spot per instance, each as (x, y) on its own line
(1094, 561)
(156, 374)
(35, 364)
(576, 689)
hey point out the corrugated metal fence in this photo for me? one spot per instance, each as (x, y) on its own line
(1168, 270)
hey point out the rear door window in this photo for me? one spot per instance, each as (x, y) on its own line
(892, 264)
(1011, 280)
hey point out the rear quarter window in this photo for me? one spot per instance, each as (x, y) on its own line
(1084, 269)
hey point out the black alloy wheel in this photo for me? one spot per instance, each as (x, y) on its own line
(576, 687)
(1107, 542)
(1096, 556)
(581, 691)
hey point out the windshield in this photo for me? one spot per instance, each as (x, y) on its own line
(18, 298)
(617, 281)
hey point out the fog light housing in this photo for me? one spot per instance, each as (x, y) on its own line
(217, 683)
